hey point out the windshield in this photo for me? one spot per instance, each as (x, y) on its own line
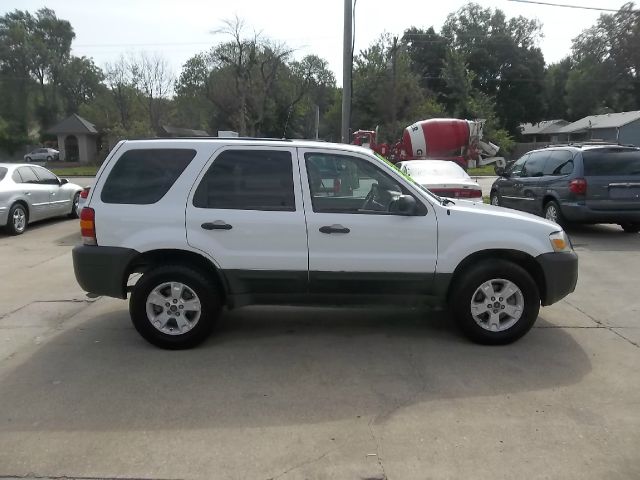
(426, 168)
(3, 172)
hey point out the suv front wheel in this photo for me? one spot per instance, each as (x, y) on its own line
(496, 302)
(174, 306)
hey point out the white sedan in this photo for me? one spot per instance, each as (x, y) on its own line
(29, 193)
(442, 177)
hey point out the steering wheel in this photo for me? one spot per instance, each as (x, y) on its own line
(369, 201)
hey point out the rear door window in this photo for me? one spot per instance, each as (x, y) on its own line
(144, 176)
(560, 162)
(27, 175)
(248, 180)
(612, 162)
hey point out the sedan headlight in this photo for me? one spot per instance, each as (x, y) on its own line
(560, 242)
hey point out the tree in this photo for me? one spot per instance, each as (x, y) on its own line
(122, 87)
(427, 51)
(81, 80)
(556, 77)
(151, 75)
(504, 60)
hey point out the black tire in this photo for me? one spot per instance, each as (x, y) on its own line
(28, 159)
(552, 209)
(494, 198)
(471, 279)
(74, 207)
(630, 227)
(11, 227)
(208, 295)
(49, 159)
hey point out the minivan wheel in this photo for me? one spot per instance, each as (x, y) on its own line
(17, 220)
(496, 302)
(495, 199)
(552, 212)
(630, 227)
(174, 307)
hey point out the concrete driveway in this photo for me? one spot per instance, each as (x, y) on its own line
(321, 393)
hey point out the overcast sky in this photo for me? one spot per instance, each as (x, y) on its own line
(180, 28)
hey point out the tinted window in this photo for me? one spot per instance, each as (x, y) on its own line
(3, 172)
(27, 175)
(46, 177)
(344, 184)
(560, 162)
(611, 162)
(143, 177)
(534, 167)
(248, 180)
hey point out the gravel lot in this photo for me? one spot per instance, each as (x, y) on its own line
(317, 393)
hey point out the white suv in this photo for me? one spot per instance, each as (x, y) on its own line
(231, 222)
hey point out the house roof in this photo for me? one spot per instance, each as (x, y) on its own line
(74, 124)
(542, 128)
(184, 132)
(608, 120)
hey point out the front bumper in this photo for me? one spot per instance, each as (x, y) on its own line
(560, 272)
(574, 212)
(4, 216)
(103, 270)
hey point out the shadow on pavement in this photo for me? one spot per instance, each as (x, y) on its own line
(269, 366)
(603, 238)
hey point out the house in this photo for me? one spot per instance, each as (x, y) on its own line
(623, 127)
(77, 139)
(545, 131)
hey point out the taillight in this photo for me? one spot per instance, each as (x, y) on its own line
(85, 193)
(469, 193)
(88, 226)
(578, 186)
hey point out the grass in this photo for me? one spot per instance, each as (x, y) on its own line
(83, 171)
(485, 171)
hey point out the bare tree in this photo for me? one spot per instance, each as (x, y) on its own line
(118, 79)
(153, 78)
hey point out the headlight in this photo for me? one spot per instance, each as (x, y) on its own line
(560, 242)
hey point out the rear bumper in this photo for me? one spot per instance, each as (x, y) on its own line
(102, 270)
(560, 275)
(582, 214)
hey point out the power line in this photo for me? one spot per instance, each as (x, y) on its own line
(580, 7)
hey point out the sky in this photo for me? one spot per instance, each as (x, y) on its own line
(178, 29)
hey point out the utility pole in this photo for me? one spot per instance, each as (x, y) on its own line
(394, 59)
(317, 126)
(347, 65)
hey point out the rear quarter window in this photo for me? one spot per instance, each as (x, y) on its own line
(602, 163)
(144, 176)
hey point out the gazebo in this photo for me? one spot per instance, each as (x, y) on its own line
(77, 139)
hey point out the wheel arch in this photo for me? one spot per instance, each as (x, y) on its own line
(522, 259)
(24, 204)
(147, 260)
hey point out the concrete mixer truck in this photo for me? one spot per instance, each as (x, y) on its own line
(438, 138)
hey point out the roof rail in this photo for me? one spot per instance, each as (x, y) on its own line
(262, 139)
(588, 143)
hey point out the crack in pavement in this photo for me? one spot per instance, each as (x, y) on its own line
(302, 464)
(603, 325)
(32, 476)
(72, 300)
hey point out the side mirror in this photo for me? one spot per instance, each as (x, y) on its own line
(501, 171)
(63, 181)
(406, 205)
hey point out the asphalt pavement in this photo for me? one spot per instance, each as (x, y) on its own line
(292, 393)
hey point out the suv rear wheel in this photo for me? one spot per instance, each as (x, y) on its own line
(496, 302)
(174, 306)
(630, 227)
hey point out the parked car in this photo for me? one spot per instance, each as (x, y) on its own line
(29, 193)
(231, 222)
(581, 184)
(442, 177)
(42, 155)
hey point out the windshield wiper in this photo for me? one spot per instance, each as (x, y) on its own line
(447, 201)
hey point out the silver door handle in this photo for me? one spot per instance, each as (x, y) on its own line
(27, 193)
